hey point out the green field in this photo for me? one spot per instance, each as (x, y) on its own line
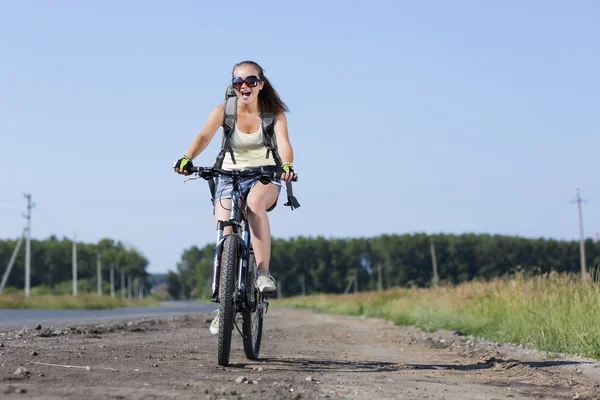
(552, 312)
(60, 296)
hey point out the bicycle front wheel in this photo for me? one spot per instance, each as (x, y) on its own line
(226, 298)
(252, 322)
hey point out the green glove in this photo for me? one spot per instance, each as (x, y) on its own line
(288, 167)
(184, 164)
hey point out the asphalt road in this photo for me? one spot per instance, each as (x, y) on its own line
(30, 318)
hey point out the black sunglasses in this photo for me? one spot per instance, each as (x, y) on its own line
(250, 81)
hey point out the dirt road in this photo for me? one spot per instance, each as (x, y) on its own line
(305, 355)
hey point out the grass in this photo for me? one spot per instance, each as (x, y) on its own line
(552, 312)
(60, 296)
(84, 301)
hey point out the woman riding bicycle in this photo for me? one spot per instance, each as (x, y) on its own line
(255, 96)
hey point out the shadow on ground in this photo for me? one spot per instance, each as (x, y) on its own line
(312, 365)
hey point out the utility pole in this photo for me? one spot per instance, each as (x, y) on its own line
(122, 283)
(12, 261)
(379, 279)
(112, 281)
(99, 273)
(303, 284)
(27, 216)
(280, 290)
(351, 282)
(579, 200)
(434, 264)
(74, 265)
(128, 286)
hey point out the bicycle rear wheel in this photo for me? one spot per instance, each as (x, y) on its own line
(226, 299)
(252, 322)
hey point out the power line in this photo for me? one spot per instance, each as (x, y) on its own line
(579, 200)
(6, 200)
(49, 222)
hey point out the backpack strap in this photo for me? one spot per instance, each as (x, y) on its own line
(292, 201)
(229, 118)
(268, 128)
(270, 142)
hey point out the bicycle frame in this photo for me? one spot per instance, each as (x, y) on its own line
(240, 227)
(240, 292)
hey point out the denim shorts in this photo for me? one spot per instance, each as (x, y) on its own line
(225, 188)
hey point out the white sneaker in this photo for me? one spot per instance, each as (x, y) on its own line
(214, 325)
(265, 282)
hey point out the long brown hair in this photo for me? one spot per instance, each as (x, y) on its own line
(268, 98)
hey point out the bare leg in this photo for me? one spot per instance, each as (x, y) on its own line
(222, 210)
(260, 198)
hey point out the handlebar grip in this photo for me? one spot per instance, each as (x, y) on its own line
(278, 174)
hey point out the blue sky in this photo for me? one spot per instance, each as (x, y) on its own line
(405, 116)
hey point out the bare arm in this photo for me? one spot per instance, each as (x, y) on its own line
(202, 140)
(283, 141)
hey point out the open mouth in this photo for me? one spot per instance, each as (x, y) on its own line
(246, 94)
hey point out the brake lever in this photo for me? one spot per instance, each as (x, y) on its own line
(191, 178)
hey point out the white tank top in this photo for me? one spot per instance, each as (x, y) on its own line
(248, 150)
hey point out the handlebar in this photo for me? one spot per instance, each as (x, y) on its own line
(270, 173)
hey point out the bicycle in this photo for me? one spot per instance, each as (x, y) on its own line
(235, 265)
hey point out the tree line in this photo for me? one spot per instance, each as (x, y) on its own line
(308, 265)
(52, 265)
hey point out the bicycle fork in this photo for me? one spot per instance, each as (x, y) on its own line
(242, 231)
(242, 267)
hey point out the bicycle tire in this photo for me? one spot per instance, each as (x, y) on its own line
(226, 299)
(252, 322)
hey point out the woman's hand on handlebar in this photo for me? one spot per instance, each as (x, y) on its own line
(288, 173)
(288, 176)
(183, 165)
